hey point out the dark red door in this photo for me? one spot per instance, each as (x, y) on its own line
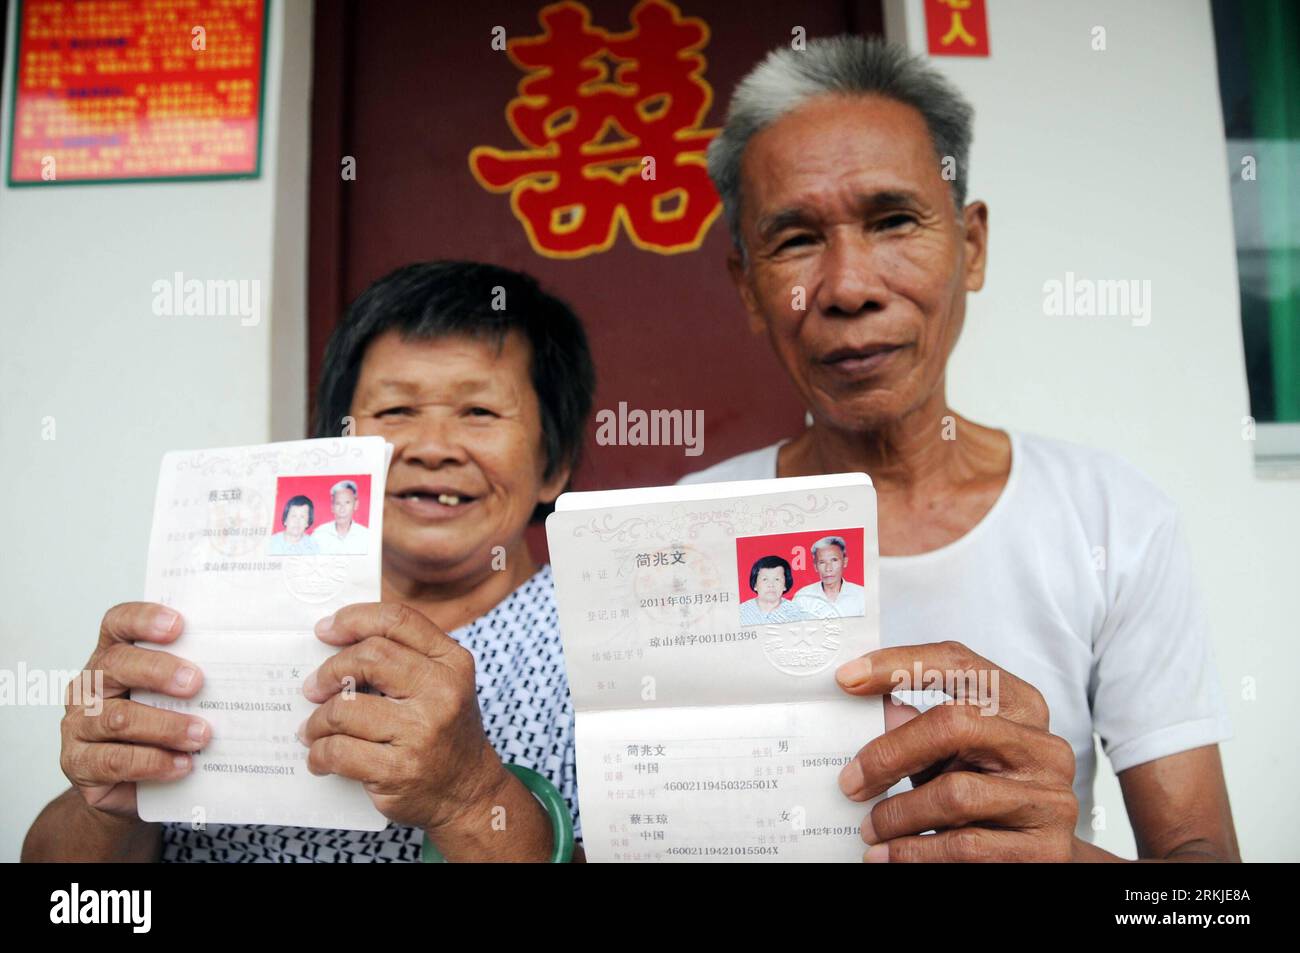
(408, 89)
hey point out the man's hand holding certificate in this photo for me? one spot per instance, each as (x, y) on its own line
(702, 629)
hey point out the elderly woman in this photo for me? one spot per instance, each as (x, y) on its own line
(485, 409)
(770, 578)
(298, 517)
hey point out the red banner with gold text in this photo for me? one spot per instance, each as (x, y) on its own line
(137, 89)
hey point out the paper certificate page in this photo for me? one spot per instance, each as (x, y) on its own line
(253, 546)
(701, 638)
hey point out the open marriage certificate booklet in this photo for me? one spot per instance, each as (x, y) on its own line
(253, 546)
(701, 636)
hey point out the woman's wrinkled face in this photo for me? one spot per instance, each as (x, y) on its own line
(468, 457)
(770, 584)
(295, 524)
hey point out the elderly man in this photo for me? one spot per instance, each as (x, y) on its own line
(842, 170)
(831, 596)
(344, 536)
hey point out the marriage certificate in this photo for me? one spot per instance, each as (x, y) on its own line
(702, 626)
(253, 546)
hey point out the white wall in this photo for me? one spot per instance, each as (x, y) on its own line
(81, 344)
(1113, 165)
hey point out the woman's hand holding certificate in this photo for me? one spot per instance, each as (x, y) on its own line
(419, 748)
(109, 746)
(238, 548)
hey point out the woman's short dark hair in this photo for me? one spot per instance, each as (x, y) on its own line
(435, 299)
(299, 500)
(771, 562)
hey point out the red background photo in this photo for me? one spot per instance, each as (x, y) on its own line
(317, 489)
(789, 546)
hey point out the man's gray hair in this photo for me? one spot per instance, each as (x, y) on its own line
(344, 485)
(830, 541)
(844, 64)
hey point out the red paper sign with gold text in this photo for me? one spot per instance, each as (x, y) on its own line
(132, 89)
(957, 27)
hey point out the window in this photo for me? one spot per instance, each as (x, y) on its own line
(1259, 83)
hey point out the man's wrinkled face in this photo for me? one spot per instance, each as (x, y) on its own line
(858, 261)
(343, 505)
(830, 563)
